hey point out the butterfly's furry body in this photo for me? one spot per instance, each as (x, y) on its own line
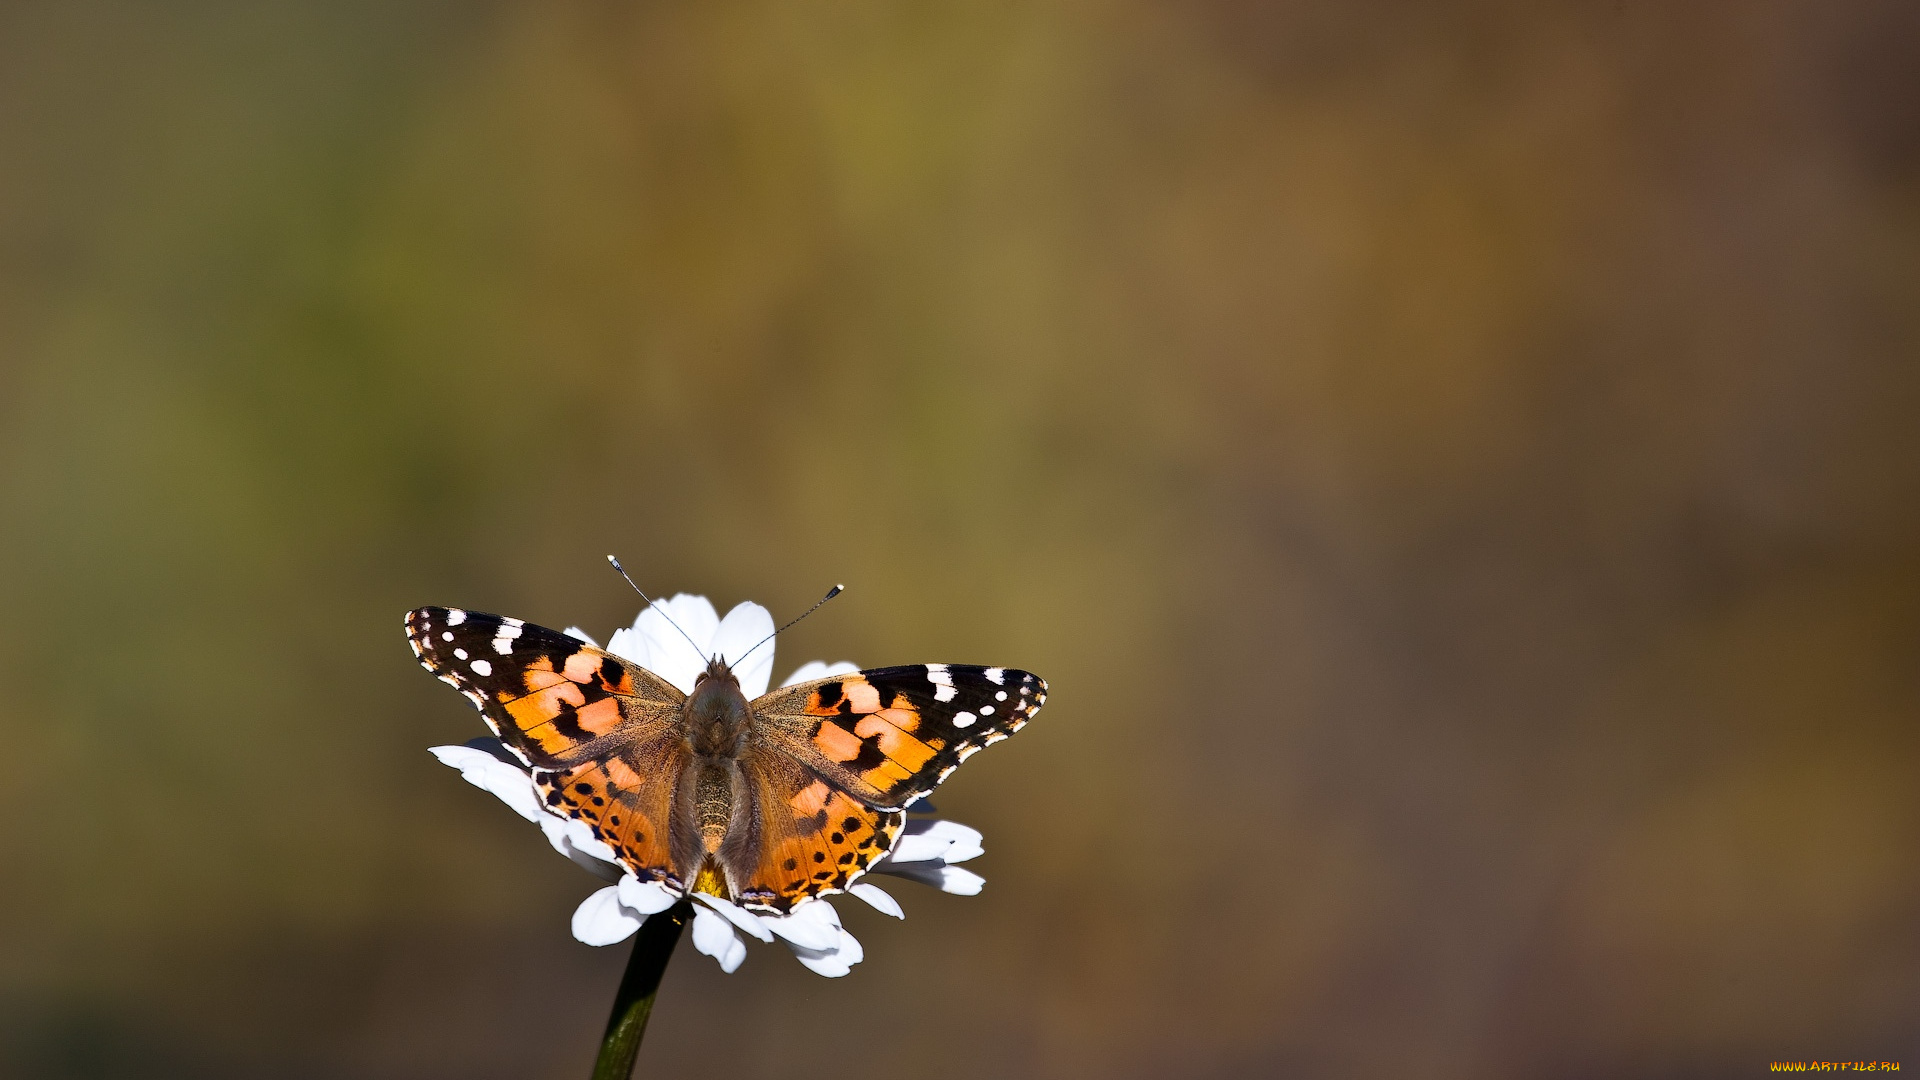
(717, 721)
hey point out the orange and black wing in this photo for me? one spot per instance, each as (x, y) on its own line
(629, 800)
(834, 763)
(890, 735)
(601, 734)
(802, 838)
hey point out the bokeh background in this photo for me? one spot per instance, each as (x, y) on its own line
(1456, 464)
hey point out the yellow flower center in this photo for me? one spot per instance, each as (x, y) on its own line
(710, 880)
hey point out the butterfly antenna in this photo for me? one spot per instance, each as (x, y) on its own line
(663, 611)
(831, 593)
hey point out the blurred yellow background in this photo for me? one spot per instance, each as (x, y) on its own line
(1456, 466)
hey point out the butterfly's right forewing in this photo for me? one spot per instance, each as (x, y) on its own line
(890, 735)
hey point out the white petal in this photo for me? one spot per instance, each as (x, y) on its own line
(488, 773)
(936, 841)
(602, 920)
(950, 879)
(917, 849)
(576, 632)
(878, 897)
(807, 926)
(964, 840)
(669, 654)
(737, 915)
(696, 616)
(744, 627)
(716, 937)
(843, 950)
(735, 955)
(644, 897)
(577, 842)
(630, 644)
(960, 882)
(815, 669)
(834, 962)
(574, 839)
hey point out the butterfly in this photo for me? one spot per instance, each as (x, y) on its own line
(769, 802)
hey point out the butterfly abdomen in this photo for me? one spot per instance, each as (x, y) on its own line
(716, 781)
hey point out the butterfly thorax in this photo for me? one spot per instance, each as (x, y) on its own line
(717, 714)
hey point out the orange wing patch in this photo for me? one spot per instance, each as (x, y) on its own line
(628, 801)
(888, 735)
(545, 694)
(836, 742)
(812, 838)
(880, 743)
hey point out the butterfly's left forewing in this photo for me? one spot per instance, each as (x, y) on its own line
(600, 734)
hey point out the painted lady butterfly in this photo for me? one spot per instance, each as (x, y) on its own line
(767, 802)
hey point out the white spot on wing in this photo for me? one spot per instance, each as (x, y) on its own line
(942, 681)
(1001, 696)
(503, 639)
(455, 617)
(460, 654)
(986, 710)
(996, 676)
(482, 668)
(964, 719)
(446, 635)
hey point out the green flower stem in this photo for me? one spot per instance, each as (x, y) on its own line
(633, 1003)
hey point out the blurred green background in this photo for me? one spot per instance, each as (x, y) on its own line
(1456, 465)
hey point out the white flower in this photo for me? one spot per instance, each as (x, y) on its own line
(925, 851)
